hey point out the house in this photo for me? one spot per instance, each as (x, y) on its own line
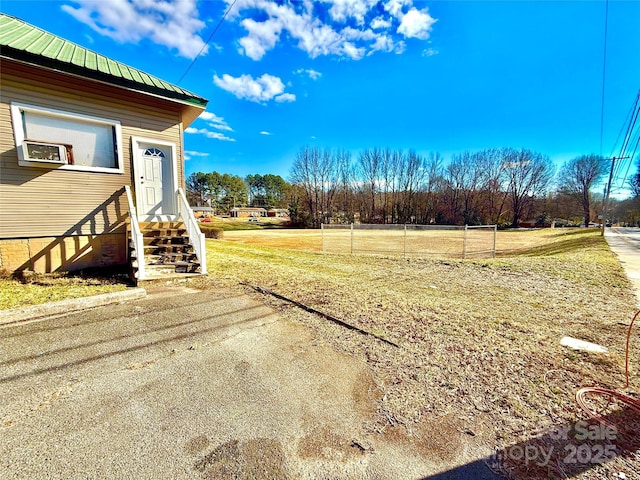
(239, 212)
(203, 211)
(91, 161)
(278, 212)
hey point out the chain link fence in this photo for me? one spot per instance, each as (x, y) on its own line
(410, 240)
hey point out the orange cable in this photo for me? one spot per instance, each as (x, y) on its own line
(628, 400)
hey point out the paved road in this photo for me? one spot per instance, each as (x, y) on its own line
(630, 235)
(625, 243)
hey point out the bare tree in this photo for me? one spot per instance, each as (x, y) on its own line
(493, 195)
(345, 188)
(329, 182)
(433, 179)
(369, 169)
(579, 175)
(410, 183)
(304, 174)
(528, 174)
(395, 166)
(316, 173)
(387, 177)
(465, 178)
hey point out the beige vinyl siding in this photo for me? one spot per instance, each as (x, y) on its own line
(38, 202)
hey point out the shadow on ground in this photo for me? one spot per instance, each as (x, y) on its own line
(563, 451)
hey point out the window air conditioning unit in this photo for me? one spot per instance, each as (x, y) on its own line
(45, 152)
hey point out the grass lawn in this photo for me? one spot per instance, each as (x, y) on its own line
(479, 339)
(39, 289)
(234, 224)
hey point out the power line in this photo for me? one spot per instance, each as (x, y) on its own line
(631, 137)
(207, 42)
(631, 127)
(622, 125)
(615, 169)
(632, 156)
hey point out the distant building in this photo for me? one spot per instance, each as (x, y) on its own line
(278, 212)
(244, 212)
(202, 211)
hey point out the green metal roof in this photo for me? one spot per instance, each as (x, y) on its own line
(22, 41)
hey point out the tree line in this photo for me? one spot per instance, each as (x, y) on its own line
(223, 191)
(504, 186)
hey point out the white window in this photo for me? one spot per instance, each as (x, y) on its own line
(66, 140)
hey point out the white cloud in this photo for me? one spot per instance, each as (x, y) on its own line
(209, 134)
(416, 24)
(312, 74)
(285, 97)
(172, 23)
(264, 132)
(215, 121)
(380, 23)
(189, 154)
(262, 36)
(351, 33)
(429, 52)
(396, 7)
(350, 50)
(348, 28)
(259, 90)
(386, 44)
(342, 10)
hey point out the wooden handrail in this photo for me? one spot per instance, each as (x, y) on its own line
(196, 237)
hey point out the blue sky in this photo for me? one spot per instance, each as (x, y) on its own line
(436, 76)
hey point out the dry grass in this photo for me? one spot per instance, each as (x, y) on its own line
(509, 242)
(479, 338)
(39, 288)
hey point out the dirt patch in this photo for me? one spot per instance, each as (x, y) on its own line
(196, 445)
(258, 459)
(325, 443)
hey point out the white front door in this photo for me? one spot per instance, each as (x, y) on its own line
(154, 178)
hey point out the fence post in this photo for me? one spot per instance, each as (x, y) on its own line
(322, 233)
(351, 238)
(464, 243)
(405, 241)
(495, 236)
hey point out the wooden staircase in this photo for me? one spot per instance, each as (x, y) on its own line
(168, 253)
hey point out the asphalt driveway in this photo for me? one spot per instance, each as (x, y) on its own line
(188, 384)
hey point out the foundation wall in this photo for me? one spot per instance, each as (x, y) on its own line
(56, 254)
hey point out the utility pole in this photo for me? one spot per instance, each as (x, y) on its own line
(605, 202)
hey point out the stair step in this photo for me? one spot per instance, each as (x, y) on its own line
(159, 270)
(160, 225)
(166, 240)
(171, 259)
(172, 268)
(168, 253)
(187, 267)
(168, 249)
(165, 232)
